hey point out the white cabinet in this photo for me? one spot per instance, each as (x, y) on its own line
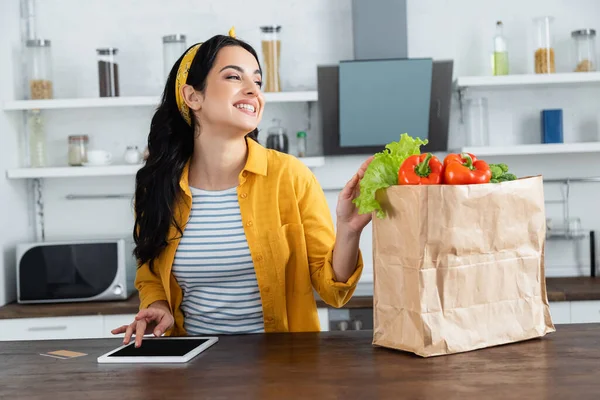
(585, 312)
(84, 327)
(114, 321)
(560, 312)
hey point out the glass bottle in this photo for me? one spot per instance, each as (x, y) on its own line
(173, 47)
(500, 51)
(108, 72)
(584, 42)
(78, 149)
(277, 138)
(271, 49)
(37, 139)
(39, 62)
(477, 122)
(301, 137)
(544, 53)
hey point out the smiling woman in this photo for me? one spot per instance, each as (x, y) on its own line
(232, 237)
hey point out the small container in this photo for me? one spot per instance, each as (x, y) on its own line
(37, 139)
(173, 47)
(78, 146)
(584, 49)
(552, 126)
(108, 72)
(132, 155)
(544, 54)
(271, 49)
(277, 138)
(476, 122)
(39, 62)
(301, 137)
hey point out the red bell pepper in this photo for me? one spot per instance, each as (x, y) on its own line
(423, 169)
(465, 169)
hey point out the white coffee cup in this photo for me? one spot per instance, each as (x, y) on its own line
(98, 157)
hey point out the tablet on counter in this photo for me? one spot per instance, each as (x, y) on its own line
(159, 350)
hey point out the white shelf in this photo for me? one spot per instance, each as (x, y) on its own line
(531, 149)
(558, 79)
(109, 170)
(140, 101)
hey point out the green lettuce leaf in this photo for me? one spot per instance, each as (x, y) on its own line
(382, 172)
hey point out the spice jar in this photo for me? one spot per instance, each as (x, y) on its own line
(173, 47)
(78, 149)
(39, 61)
(301, 137)
(271, 49)
(584, 43)
(544, 53)
(277, 138)
(108, 72)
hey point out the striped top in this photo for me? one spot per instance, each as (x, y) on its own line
(214, 268)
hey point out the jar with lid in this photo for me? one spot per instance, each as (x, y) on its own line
(271, 49)
(37, 139)
(301, 137)
(108, 72)
(544, 53)
(173, 47)
(39, 62)
(277, 138)
(78, 149)
(584, 49)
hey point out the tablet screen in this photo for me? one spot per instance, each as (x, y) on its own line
(160, 347)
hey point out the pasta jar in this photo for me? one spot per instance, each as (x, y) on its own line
(108, 72)
(584, 49)
(271, 50)
(173, 47)
(544, 53)
(39, 61)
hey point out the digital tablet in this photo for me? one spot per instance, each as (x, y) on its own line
(159, 350)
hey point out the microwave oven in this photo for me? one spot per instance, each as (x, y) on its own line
(75, 271)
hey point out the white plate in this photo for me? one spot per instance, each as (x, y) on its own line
(204, 343)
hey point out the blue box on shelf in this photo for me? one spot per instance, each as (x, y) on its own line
(552, 126)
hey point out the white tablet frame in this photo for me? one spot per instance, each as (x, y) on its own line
(105, 359)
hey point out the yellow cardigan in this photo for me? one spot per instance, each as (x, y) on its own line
(290, 234)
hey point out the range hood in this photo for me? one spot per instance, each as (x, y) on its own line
(368, 101)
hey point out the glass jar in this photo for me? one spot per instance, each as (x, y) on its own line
(271, 49)
(544, 54)
(37, 139)
(173, 47)
(584, 43)
(108, 72)
(277, 138)
(78, 146)
(39, 62)
(476, 122)
(301, 137)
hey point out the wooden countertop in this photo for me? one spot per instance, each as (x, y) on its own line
(559, 289)
(327, 365)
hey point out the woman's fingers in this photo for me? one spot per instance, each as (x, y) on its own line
(119, 330)
(139, 333)
(128, 333)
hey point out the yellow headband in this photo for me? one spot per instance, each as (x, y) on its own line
(181, 79)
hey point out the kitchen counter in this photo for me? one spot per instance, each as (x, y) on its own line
(326, 365)
(559, 289)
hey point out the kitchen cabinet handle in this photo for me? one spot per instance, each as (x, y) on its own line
(47, 328)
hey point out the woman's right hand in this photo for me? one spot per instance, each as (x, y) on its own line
(155, 319)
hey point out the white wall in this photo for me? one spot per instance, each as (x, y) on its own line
(15, 223)
(314, 32)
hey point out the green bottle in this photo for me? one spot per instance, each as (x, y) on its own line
(500, 56)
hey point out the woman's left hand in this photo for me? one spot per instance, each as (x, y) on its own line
(348, 219)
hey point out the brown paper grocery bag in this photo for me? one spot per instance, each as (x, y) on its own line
(460, 267)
